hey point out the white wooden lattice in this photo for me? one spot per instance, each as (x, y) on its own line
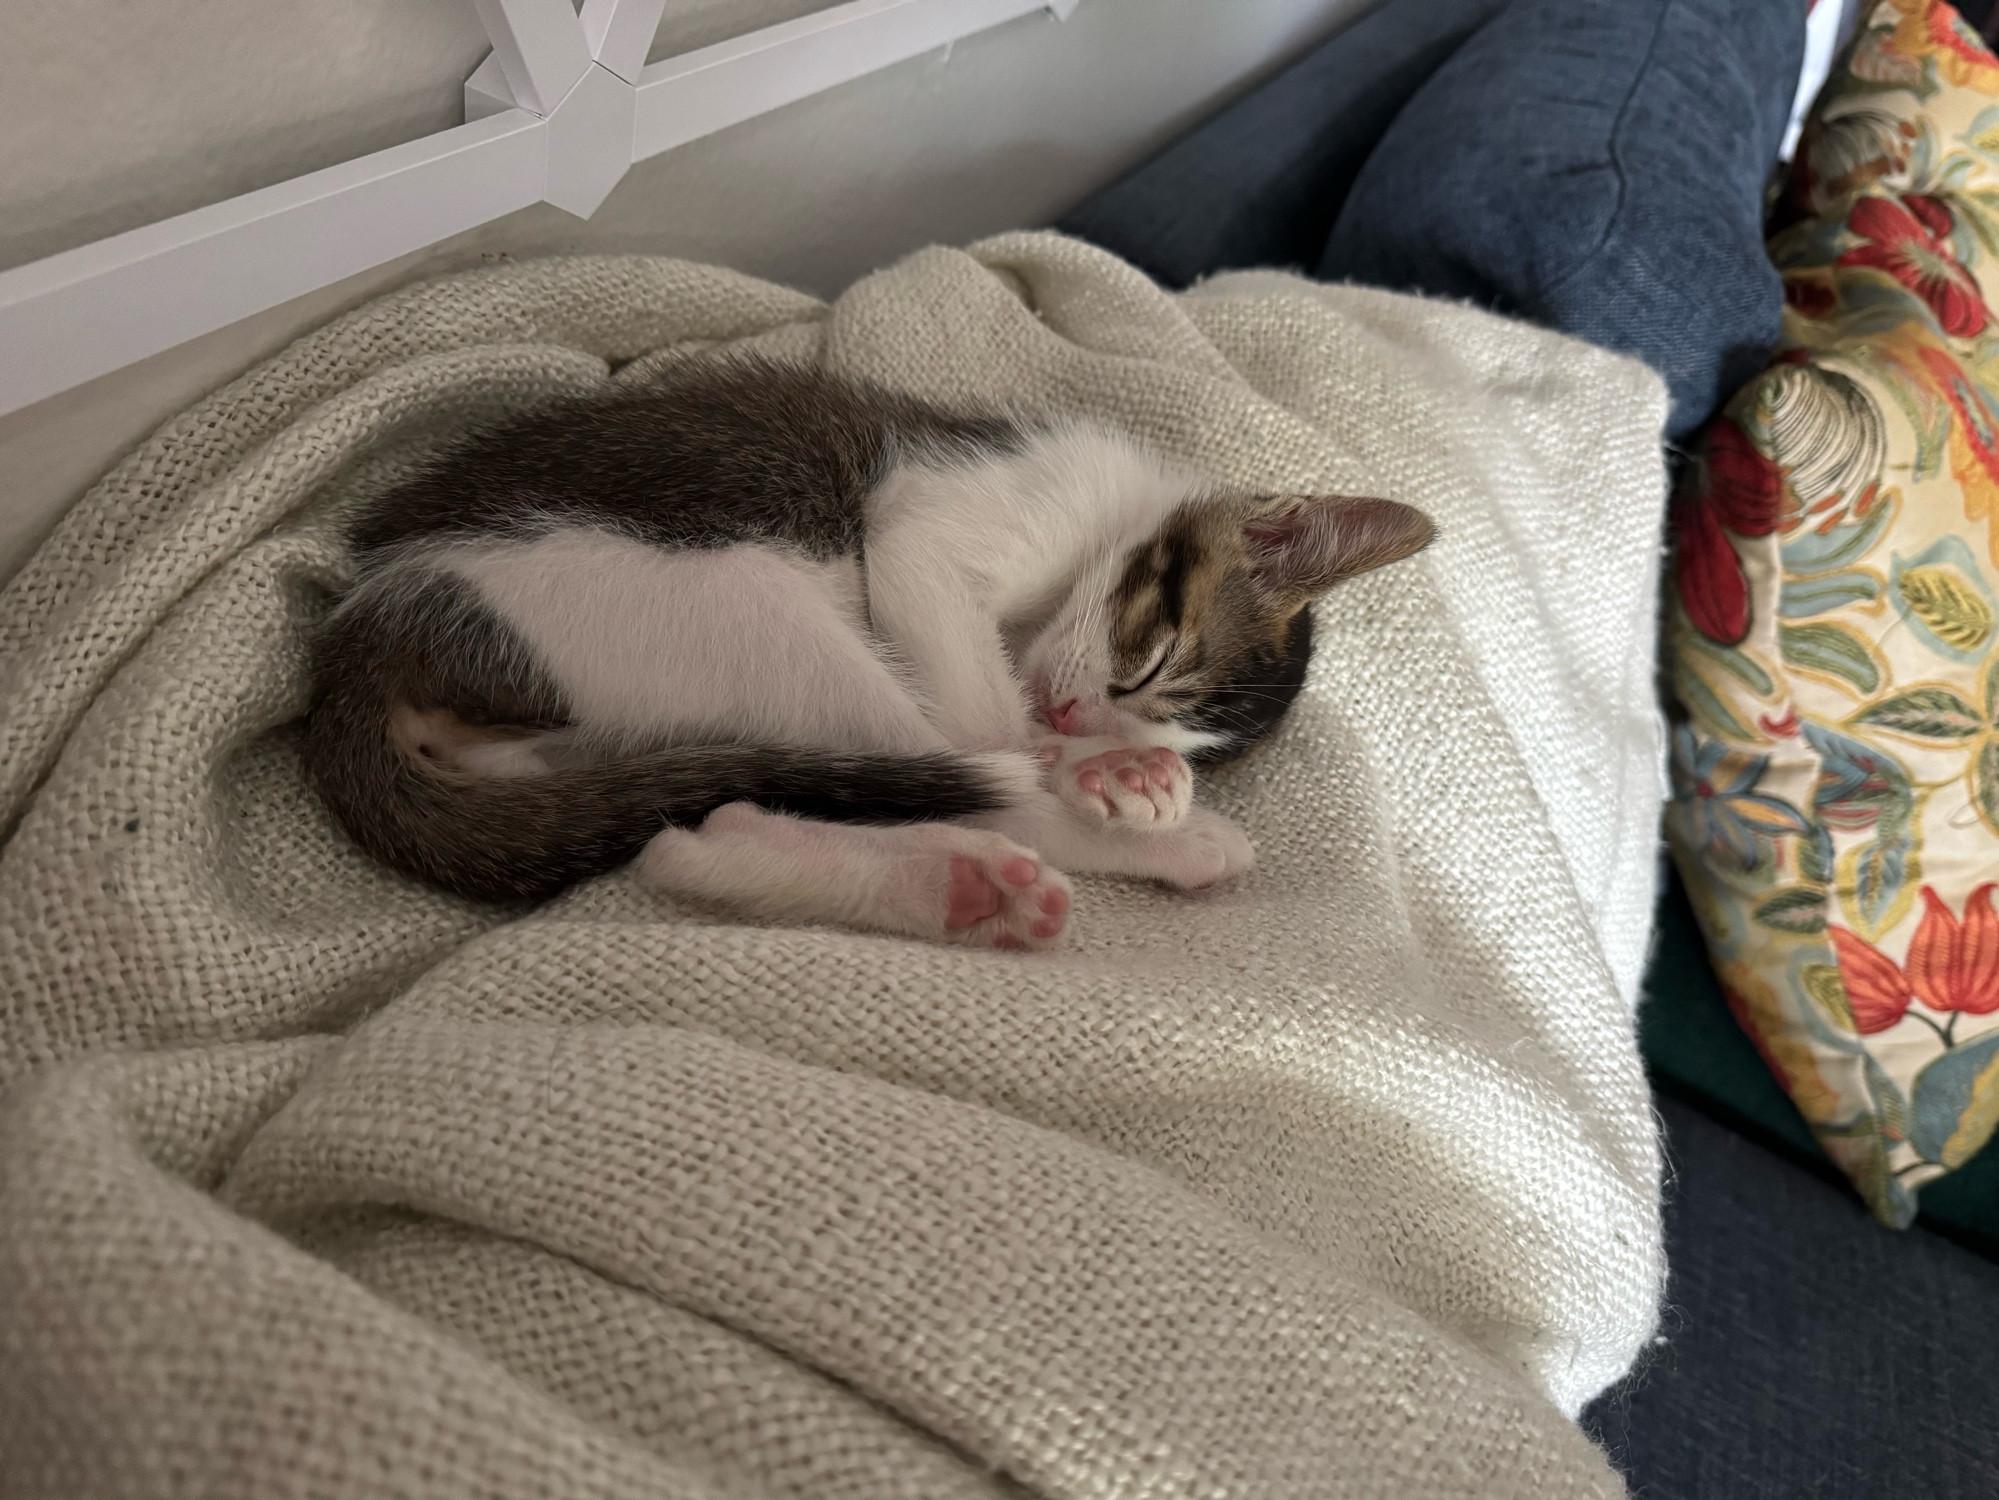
(558, 112)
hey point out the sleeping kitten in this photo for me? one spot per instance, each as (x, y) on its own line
(816, 652)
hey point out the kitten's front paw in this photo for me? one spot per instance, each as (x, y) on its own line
(1005, 898)
(1211, 849)
(1141, 787)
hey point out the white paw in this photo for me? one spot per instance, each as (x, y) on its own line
(1138, 786)
(1204, 849)
(1221, 840)
(941, 881)
(998, 895)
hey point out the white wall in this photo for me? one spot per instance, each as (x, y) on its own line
(119, 112)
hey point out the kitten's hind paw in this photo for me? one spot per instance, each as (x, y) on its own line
(1005, 900)
(1136, 786)
(941, 881)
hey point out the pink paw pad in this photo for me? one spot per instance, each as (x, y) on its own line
(1145, 787)
(1004, 898)
(972, 897)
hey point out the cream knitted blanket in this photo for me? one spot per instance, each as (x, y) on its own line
(1339, 1182)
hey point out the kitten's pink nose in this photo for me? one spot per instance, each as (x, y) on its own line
(1065, 714)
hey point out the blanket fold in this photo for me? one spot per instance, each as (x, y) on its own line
(1338, 1181)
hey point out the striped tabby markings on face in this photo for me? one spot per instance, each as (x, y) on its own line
(1208, 632)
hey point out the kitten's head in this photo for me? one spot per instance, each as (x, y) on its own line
(1198, 636)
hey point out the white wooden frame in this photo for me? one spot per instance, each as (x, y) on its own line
(557, 113)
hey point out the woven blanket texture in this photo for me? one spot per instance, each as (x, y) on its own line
(1339, 1181)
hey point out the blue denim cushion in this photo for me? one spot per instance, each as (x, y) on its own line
(1261, 183)
(1597, 166)
(1810, 1354)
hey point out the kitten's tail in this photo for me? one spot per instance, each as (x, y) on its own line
(524, 837)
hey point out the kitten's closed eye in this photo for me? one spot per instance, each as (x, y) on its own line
(1145, 675)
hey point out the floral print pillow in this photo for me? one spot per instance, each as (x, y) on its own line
(1833, 639)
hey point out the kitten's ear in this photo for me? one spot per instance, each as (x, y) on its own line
(1301, 545)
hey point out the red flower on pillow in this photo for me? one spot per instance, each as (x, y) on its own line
(1909, 239)
(1952, 965)
(1741, 490)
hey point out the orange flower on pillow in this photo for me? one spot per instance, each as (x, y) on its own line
(1952, 965)
(1929, 30)
(1876, 991)
(1909, 239)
